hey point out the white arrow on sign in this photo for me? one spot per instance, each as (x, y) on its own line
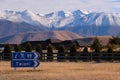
(36, 55)
(36, 63)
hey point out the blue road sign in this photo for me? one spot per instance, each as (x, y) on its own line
(25, 63)
(25, 59)
(25, 55)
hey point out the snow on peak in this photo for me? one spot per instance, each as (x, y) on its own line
(30, 17)
(81, 12)
(27, 12)
(60, 14)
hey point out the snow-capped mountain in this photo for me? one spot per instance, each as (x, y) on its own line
(82, 22)
(54, 19)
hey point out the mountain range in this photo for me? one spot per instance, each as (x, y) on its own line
(83, 23)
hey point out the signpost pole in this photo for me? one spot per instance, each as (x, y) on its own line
(15, 69)
(34, 68)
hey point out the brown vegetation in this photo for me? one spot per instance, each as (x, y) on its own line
(62, 71)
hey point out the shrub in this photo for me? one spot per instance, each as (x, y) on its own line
(50, 52)
(85, 50)
(96, 45)
(61, 53)
(17, 48)
(73, 50)
(28, 48)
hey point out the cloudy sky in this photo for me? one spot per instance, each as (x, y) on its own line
(46, 6)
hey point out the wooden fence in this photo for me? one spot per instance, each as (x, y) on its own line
(82, 57)
(74, 57)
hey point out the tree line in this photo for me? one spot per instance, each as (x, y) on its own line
(96, 46)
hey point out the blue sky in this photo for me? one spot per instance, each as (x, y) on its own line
(46, 6)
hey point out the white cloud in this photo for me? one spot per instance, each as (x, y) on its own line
(45, 6)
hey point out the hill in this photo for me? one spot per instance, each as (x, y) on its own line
(39, 36)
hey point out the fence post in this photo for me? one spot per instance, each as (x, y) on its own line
(91, 56)
(113, 56)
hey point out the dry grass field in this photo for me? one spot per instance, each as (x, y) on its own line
(62, 71)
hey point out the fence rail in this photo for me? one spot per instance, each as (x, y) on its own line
(82, 57)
